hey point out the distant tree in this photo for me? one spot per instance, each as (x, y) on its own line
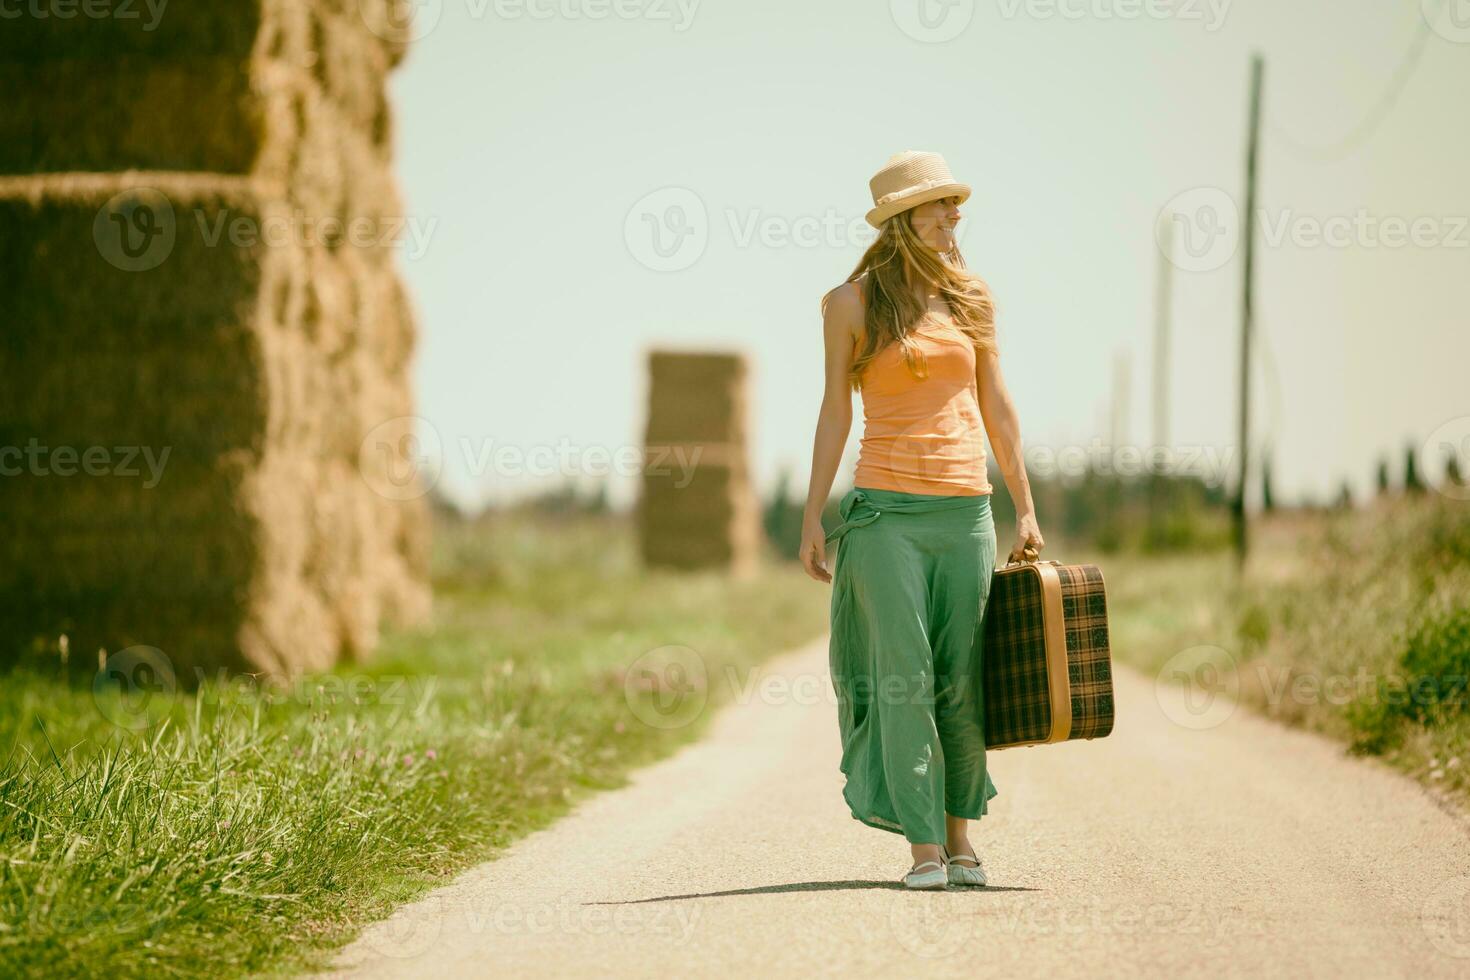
(1383, 484)
(443, 508)
(597, 502)
(1344, 496)
(783, 517)
(1268, 497)
(1452, 473)
(778, 500)
(563, 498)
(1412, 483)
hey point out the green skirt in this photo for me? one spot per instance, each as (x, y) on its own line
(909, 584)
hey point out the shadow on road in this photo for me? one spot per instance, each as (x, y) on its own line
(803, 886)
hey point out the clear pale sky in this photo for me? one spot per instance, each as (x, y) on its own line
(530, 135)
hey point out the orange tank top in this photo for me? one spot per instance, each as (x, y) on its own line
(923, 435)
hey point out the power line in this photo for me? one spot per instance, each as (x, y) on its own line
(1355, 137)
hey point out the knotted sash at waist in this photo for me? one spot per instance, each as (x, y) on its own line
(858, 509)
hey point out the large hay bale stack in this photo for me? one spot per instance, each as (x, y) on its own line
(302, 104)
(698, 508)
(223, 383)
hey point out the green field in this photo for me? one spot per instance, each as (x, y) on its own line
(254, 829)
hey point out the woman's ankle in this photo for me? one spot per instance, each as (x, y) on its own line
(959, 847)
(957, 834)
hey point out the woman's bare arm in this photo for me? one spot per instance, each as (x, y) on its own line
(1004, 429)
(841, 324)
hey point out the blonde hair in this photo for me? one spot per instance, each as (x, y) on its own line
(891, 311)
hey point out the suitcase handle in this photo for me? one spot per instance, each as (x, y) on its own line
(1028, 556)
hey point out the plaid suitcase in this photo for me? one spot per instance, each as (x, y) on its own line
(1047, 669)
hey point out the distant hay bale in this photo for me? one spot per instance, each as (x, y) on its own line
(712, 499)
(696, 396)
(260, 544)
(701, 526)
(698, 507)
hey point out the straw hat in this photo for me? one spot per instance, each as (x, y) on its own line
(909, 179)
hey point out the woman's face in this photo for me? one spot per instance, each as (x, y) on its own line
(934, 221)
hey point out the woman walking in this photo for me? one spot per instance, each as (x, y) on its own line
(914, 332)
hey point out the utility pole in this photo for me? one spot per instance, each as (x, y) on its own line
(1162, 455)
(1163, 299)
(1258, 67)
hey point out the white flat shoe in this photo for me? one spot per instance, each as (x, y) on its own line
(933, 879)
(962, 874)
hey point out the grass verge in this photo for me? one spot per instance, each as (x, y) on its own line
(240, 828)
(1352, 623)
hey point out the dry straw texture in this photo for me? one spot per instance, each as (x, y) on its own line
(266, 120)
(698, 508)
(307, 31)
(238, 376)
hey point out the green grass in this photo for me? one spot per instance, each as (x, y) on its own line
(254, 829)
(1355, 624)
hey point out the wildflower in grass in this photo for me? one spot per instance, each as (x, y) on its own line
(431, 755)
(408, 759)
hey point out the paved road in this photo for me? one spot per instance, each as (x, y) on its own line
(1242, 848)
